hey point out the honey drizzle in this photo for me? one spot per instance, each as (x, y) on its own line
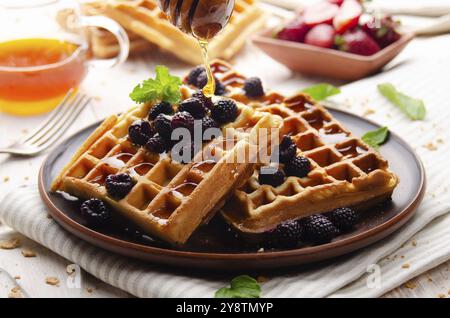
(210, 87)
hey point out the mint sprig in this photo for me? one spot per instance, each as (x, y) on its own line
(164, 87)
(414, 108)
(321, 91)
(376, 138)
(242, 286)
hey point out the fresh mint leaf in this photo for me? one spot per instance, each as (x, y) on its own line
(240, 287)
(321, 91)
(376, 138)
(414, 108)
(164, 87)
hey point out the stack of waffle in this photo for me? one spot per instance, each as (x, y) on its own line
(169, 199)
(146, 23)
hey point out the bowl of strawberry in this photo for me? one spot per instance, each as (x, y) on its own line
(335, 38)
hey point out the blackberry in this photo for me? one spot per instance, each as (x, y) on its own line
(298, 167)
(95, 212)
(207, 102)
(343, 218)
(163, 126)
(118, 185)
(224, 111)
(209, 123)
(287, 149)
(193, 76)
(287, 234)
(160, 108)
(274, 179)
(319, 229)
(140, 132)
(193, 106)
(183, 120)
(157, 144)
(221, 89)
(203, 80)
(253, 87)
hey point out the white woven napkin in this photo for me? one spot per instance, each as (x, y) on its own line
(398, 259)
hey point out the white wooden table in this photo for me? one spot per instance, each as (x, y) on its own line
(110, 89)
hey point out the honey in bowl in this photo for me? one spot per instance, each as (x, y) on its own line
(36, 74)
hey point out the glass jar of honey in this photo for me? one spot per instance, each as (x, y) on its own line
(44, 52)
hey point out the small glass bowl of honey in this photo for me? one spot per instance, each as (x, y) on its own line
(45, 52)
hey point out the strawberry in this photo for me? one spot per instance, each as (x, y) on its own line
(294, 31)
(357, 42)
(348, 16)
(321, 35)
(322, 12)
(338, 2)
(383, 31)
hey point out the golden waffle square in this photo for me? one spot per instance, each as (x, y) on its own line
(169, 200)
(345, 171)
(144, 18)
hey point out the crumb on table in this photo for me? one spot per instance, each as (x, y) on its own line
(410, 285)
(53, 281)
(15, 292)
(28, 253)
(10, 244)
(405, 265)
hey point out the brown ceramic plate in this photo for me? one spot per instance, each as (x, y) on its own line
(213, 247)
(331, 63)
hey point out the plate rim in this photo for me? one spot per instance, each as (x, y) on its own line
(109, 242)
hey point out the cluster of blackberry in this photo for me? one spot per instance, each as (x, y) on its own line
(316, 229)
(155, 133)
(294, 165)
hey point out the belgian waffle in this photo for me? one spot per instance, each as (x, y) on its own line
(345, 171)
(169, 199)
(144, 18)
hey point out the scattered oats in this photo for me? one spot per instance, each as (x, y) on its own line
(410, 285)
(97, 98)
(10, 244)
(403, 256)
(17, 277)
(28, 253)
(26, 178)
(441, 295)
(440, 141)
(5, 179)
(430, 279)
(430, 146)
(52, 281)
(90, 290)
(414, 243)
(262, 279)
(368, 112)
(405, 265)
(15, 293)
(71, 270)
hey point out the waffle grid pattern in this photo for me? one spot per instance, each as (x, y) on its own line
(169, 199)
(345, 171)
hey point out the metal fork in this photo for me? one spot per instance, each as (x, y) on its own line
(53, 128)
